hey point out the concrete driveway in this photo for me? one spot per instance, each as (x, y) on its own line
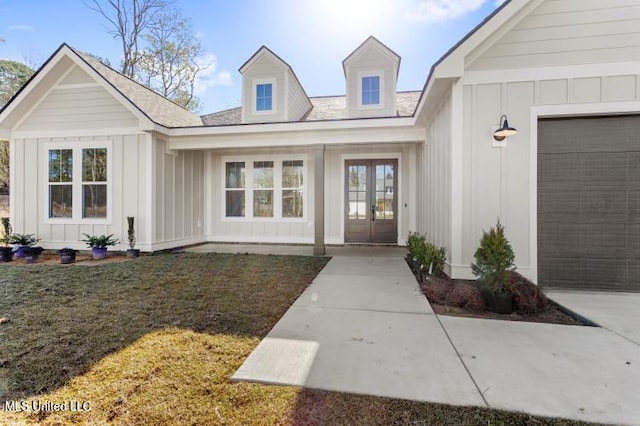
(617, 312)
(362, 326)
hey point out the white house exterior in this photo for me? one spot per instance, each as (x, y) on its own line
(367, 167)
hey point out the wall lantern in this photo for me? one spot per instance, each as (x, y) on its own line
(504, 130)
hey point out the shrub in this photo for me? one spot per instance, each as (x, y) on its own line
(432, 258)
(528, 298)
(6, 230)
(436, 290)
(466, 296)
(415, 240)
(23, 239)
(439, 257)
(494, 258)
(101, 241)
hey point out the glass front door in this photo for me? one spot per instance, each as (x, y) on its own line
(371, 201)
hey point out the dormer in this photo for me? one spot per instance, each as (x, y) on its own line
(371, 72)
(271, 92)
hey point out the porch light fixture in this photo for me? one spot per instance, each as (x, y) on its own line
(504, 130)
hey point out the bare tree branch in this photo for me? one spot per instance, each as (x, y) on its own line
(127, 20)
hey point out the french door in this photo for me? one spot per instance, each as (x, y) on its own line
(371, 202)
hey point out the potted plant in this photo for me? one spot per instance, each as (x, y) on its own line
(494, 259)
(6, 252)
(99, 244)
(20, 242)
(32, 253)
(67, 255)
(131, 233)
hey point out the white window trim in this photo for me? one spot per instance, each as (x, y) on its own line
(380, 75)
(274, 95)
(277, 188)
(77, 147)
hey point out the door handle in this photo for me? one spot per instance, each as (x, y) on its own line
(373, 213)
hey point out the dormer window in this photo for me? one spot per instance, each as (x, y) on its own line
(264, 96)
(371, 90)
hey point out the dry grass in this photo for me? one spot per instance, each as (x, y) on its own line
(155, 341)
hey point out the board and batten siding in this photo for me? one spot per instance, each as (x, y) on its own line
(263, 68)
(436, 172)
(565, 32)
(259, 230)
(497, 181)
(88, 106)
(129, 195)
(179, 196)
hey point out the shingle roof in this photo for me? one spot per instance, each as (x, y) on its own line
(324, 108)
(158, 108)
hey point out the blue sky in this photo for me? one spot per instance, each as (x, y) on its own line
(313, 36)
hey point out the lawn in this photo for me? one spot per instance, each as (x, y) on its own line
(155, 340)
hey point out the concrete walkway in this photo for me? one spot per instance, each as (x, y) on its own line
(362, 326)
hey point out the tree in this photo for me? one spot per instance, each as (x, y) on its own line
(128, 20)
(13, 75)
(169, 62)
(159, 46)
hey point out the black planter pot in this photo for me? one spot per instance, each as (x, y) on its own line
(32, 254)
(6, 254)
(67, 255)
(133, 252)
(500, 303)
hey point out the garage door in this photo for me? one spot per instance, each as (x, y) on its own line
(589, 203)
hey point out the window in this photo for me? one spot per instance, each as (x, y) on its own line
(61, 183)
(264, 97)
(371, 90)
(77, 182)
(292, 175)
(234, 184)
(264, 188)
(94, 183)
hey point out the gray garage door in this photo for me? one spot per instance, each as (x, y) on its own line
(589, 203)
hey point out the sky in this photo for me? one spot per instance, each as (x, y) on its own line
(312, 36)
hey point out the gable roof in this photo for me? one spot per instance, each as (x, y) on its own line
(137, 97)
(325, 108)
(451, 65)
(155, 106)
(371, 41)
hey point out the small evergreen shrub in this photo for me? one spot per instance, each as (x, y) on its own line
(431, 258)
(494, 259)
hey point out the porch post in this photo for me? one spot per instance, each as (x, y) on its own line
(318, 204)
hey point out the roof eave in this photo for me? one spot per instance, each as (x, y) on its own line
(452, 64)
(294, 126)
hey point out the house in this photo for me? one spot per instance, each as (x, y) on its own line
(91, 147)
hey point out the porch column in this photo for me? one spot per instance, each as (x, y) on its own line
(318, 204)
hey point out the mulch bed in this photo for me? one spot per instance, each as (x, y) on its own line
(550, 315)
(463, 298)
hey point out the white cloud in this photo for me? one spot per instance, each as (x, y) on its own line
(428, 11)
(209, 77)
(21, 27)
